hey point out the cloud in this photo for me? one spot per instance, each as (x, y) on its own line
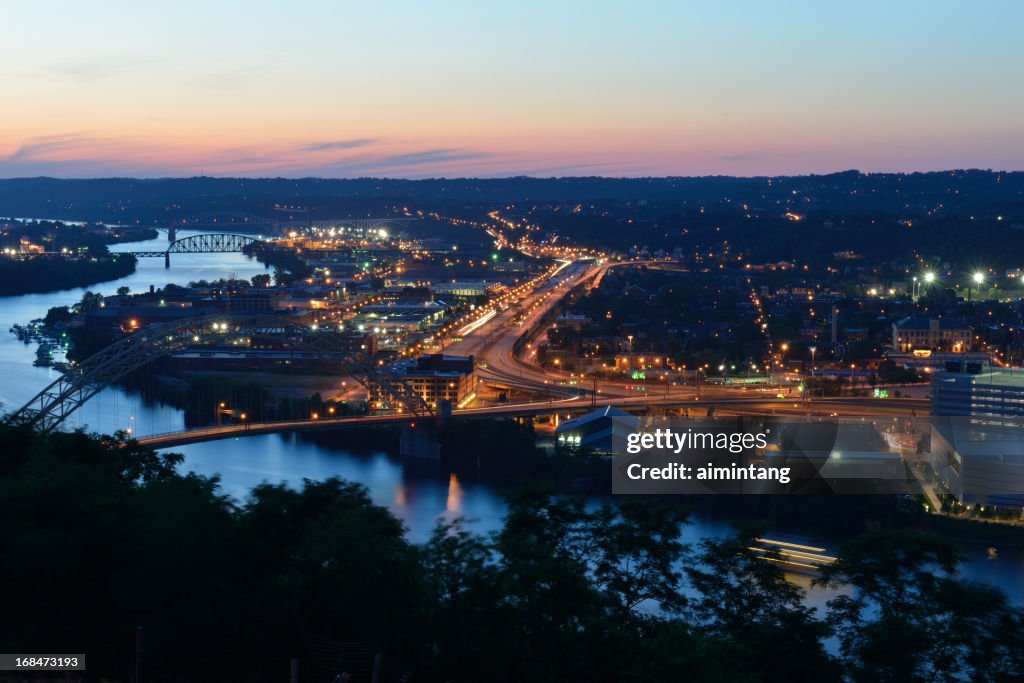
(604, 168)
(232, 76)
(90, 69)
(81, 154)
(337, 144)
(72, 147)
(419, 163)
(742, 156)
(430, 156)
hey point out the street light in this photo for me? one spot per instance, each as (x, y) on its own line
(810, 393)
(979, 278)
(783, 348)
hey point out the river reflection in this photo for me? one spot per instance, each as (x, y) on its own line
(418, 493)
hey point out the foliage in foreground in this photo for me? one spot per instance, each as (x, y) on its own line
(102, 536)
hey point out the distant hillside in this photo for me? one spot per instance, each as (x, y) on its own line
(127, 200)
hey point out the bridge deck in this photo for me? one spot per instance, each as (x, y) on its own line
(575, 405)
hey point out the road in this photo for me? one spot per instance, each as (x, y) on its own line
(493, 343)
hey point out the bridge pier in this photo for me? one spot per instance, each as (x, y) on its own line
(419, 440)
(167, 259)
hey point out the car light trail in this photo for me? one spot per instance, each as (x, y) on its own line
(476, 324)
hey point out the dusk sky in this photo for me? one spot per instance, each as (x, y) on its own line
(417, 89)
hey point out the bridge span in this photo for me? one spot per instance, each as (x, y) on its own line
(212, 243)
(567, 406)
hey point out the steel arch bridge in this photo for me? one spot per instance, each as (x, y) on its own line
(215, 243)
(48, 409)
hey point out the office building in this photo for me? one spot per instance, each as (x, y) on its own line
(435, 377)
(987, 394)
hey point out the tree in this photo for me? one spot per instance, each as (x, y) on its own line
(461, 578)
(637, 552)
(261, 280)
(123, 290)
(911, 619)
(746, 600)
(91, 301)
(544, 550)
(57, 314)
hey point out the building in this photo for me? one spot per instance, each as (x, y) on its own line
(990, 395)
(934, 334)
(574, 321)
(977, 446)
(980, 464)
(509, 266)
(252, 300)
(435, 378)
(402, 317)
(626, 362)
(467, 289)
(929, 361)
(596, 430)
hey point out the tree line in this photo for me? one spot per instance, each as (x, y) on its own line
(103, 536)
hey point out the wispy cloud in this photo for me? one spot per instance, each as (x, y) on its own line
(430, 156)
(581, 169)
(72, 147)
(337, 144)
(90, 69)
(81, 154)
(232, 75)
(742, 156)
(416, 164)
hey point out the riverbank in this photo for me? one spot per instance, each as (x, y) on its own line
(52, 273)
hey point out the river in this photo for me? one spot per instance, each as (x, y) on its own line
(418, 495)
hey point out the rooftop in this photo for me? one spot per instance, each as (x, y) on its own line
(583, 420)
(992, 443)
(922, 323)
(1004, 377)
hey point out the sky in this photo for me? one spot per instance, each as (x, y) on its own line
(553, 88)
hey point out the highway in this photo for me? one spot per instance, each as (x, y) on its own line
(492, 344)
(492, 341)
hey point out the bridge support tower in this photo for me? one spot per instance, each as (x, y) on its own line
(418, 439)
